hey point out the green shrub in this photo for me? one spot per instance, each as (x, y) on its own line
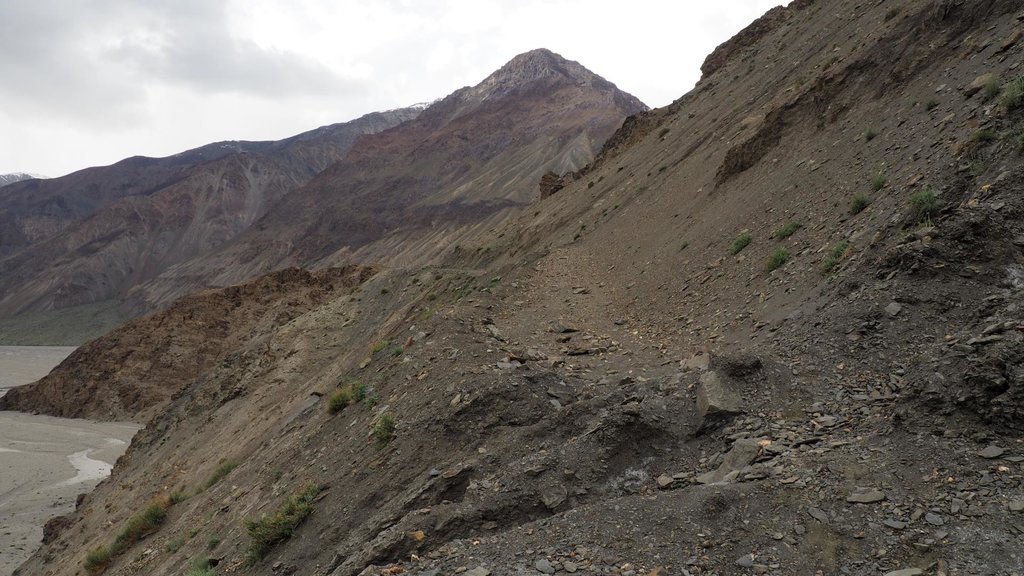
(779, 257)
(683, 245)
(1013, 94)
(741, 242)
(344, 397)
(96, 561)
(858, 203)
(372, 401)
(201, 567)
(178, 496)
(992, 88)
(175, 544)
(984, 136)
(222, 470)
(870, 134)
(891, 13)
(924, 204)
(384, 429)
(279, 526)
(787, 230)
(383, 344)
(397, 351)
(878, 181)
(212, 543)
(835, 256)
(931, 104)
(339, 401)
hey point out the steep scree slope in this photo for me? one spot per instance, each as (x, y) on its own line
(549, 382)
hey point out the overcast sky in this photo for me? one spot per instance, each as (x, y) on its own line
(88, 82)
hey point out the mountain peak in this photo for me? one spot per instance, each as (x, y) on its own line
(541, 67)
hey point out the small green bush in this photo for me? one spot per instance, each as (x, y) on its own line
(212, 543)
(222, 470)
(397, 351)
(741, 242)
(96, 561)
(984, 136)
(779, 257)
(835, 256)
(383, 344)
(858, 203)
(683, 245)
(384, 429)
(924, 204)
(271, 530)
(372, 401)
(992, 88)
(1013, 94)
(891, 13)
(870, 134)
(663, 132)
(339, 401)
(878, 181)
(787, 230)
(175, 544)
(931, 104)
(201, 567)
(178, 496)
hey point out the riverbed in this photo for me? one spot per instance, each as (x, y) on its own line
(45, 462)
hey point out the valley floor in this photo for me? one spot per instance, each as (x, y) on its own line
(45, 462)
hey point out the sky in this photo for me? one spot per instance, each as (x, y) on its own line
(89, 82)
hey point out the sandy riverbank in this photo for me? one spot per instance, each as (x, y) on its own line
(45, 462)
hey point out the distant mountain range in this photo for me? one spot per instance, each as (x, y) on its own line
(13, 177)
(146, 231)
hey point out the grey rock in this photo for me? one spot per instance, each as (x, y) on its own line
(743, 452)
(715, 399)
(894, 524)
(478, 571)
(746, 561)
(1016, 506)
(818, 514)
(495, 333)
(893, 309)
(991, 451)
(544, 566)
(905, 572)
(934, 519)
(554, 496)
(868, 497)
(570, 567)
(664, 481)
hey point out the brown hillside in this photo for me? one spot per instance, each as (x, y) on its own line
(607, 382)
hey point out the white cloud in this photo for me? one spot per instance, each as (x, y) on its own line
(93, 81)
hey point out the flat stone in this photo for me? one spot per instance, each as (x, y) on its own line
(478, 571)
(554, 496)
(818, 514)
(991, 451)
(905, 572)
(979, 83)
(544, 566)
(866, 497)
(893, 309)
(570, 567)
(934, 519)
(664, 481)
(894, 524)
(746, 561)
(743, 452)
(1016, 506)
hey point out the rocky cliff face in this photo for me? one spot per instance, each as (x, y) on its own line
(774, 328)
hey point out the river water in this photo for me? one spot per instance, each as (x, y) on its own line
(45, 462)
